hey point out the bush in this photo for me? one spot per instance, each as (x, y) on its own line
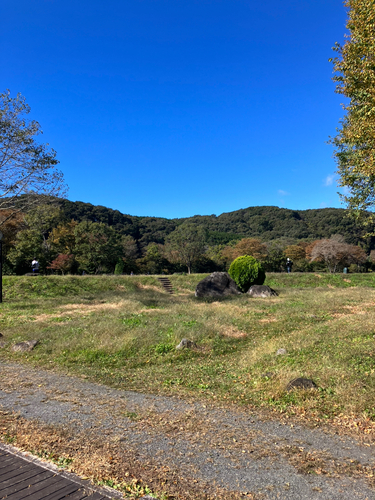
(119, 268)
(247, 271)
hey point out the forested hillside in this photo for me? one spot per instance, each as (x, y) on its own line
(265, 223)
(77, 237)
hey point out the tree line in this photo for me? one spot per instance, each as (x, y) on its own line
(63, 245)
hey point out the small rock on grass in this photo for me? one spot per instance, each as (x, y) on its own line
(301, 383)
(26, 346)
(262, 291)
(1, 335)
(186, 344)
(2, 344)
(281, 352)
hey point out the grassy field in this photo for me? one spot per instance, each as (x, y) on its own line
(123, 330)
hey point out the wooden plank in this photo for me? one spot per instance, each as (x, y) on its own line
(21, 479)
(63, 493)
(10, 490)
(97, 496)
(11, 461)
(31, 477)
(48, 486)
(78, 495)
(33, 491)
(6, 461)
(58, 484)
(16, 475)
(16, 471)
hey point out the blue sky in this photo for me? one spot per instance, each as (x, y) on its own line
(174, 108)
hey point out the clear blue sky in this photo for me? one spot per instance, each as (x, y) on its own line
(180, 107)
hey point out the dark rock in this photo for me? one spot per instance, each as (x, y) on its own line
(1, 335)
(261, 291)
(186, 344)
(301, 383)
(281, 352)
(26, 346)
(217, 285)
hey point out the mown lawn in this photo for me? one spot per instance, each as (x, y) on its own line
(122, 331)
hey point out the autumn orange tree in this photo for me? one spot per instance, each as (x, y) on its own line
(246, 246)
(354, 69)
(62, 263)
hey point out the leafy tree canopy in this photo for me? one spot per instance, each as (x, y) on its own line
(27, 167)
(186, 244)
(355, 76)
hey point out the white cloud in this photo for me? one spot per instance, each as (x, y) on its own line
(329, 180)
(283, 193)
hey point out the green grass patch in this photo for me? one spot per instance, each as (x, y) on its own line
(122, 331)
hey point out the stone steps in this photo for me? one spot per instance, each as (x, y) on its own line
(167, 285)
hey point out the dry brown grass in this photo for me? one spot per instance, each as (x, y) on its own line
(233, 332)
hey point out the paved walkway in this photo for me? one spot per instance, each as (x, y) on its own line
(23, 478)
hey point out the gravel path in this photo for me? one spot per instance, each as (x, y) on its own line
(231, 449)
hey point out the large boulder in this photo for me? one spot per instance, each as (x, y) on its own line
(217, 285)
(261, 291)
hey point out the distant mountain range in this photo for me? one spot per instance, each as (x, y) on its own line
(266, 223)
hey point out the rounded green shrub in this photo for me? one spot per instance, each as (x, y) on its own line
(247, 271)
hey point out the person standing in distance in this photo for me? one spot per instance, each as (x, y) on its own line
(289, 265)
(35, 266)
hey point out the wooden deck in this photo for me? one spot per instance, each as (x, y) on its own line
(24, 479)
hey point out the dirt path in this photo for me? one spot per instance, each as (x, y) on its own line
(193, 448)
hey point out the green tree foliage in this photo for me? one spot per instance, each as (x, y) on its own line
(97, 247)
(247, 271)
(216, 255)
(34, 240)
(263, 223)
(119, 268)
(26, 167)
(129, 248)
(62, 238)
(269, 231)
(153, 261)
(186, 244)
(355, 76)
